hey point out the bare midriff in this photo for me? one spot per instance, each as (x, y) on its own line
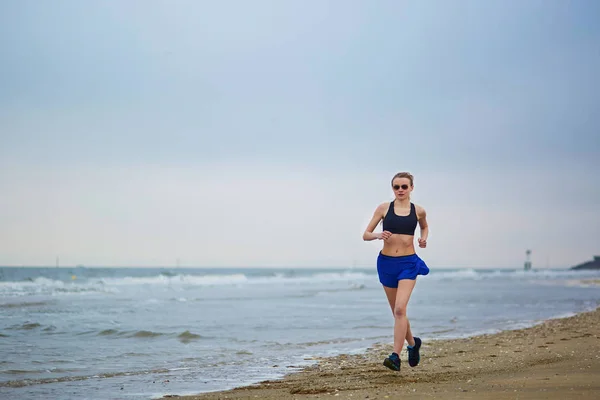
(399, 245)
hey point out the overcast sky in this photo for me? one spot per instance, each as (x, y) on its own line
(265, 133)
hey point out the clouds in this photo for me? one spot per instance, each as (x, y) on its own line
(492, 103)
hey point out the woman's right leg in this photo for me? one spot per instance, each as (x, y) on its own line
(391, 296)
(405, 288)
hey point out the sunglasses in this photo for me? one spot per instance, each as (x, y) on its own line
(396, 187)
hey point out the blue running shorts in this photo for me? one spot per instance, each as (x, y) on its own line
(392, 269)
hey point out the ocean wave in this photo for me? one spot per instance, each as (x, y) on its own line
(235, 278)
(356, 280)
(130, 334)
(30, 382)
(81, 285)
(510, 274)
(188, 336)
(24, 304)
(185, 336)
(198, 280)
(146, 334)
(324, 342)
(45, 286)
(27, 326)
(38, 371)
(108, 332)
(584, 283)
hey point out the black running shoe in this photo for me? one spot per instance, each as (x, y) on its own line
(392, 362)
(413, 353)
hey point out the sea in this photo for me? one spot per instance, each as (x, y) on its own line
(142, 333)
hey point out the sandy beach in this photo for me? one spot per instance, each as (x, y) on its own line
(558, 359)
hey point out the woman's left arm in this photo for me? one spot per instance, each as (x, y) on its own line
(422, 218)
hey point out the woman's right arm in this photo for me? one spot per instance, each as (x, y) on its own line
(377, 216)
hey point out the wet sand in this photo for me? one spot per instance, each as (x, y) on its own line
(558, 359)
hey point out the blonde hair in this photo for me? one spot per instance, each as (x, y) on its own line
(407, 175)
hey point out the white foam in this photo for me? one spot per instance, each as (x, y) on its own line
(42, 285)
(516, 274)
(200, 280)
(354, 279)
(229, 279)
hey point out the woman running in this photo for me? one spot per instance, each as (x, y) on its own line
(397, 263)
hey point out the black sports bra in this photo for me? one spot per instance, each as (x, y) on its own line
(404, 225)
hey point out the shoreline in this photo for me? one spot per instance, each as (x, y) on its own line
(554, 359)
